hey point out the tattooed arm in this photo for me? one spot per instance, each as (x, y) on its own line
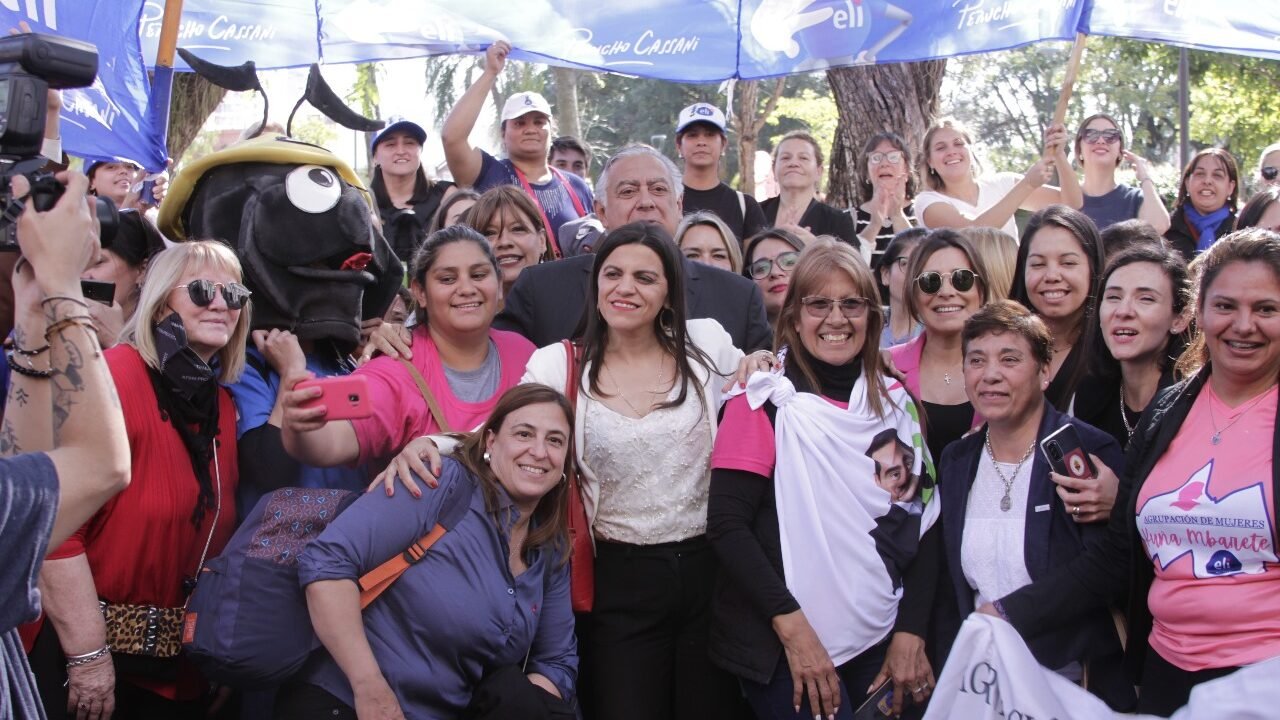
(89, 447)
(27, 392)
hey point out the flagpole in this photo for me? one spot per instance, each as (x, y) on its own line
(1069, 80)
(162, 78)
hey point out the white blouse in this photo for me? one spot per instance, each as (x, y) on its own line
(654, 471)
(991, 552)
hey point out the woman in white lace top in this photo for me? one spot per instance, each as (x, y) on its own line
(648, 395)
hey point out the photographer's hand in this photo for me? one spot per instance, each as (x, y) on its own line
(59, 243)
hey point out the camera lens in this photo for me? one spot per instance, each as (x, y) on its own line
(108, 221)
(1055, 452)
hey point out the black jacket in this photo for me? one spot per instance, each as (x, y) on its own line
(1119, 562)
(1052, 538)
(1181, 235)
(547, 302)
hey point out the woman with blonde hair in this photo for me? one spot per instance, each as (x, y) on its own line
(139, 556)
(999, 252)
(703, 237)
(958, 197)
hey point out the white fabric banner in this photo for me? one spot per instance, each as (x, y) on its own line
(991, 675)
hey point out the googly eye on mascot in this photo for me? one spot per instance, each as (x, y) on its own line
(304, 227)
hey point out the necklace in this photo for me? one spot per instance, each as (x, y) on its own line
(1124, 415)
(1006, 502)
(1217, 434)
(946, 378)
(655, 392)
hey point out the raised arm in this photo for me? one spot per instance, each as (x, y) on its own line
(463, 159)
(1070, 193)
(90, 451)
(307, 435)
(1152, 211)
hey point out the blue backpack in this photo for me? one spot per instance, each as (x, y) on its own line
(247, 623)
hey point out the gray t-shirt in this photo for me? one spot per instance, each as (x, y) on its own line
(28, 504)
(477, 385)
(1121, 204)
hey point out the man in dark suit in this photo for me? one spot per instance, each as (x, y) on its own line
(638, 183)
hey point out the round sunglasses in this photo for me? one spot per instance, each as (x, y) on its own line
(202, 292)
(930, 283)
(1269, 172)
(761, 268)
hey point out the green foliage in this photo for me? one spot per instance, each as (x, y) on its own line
(315, 129)
(364, 97)
(1008, 97)
(812, 110)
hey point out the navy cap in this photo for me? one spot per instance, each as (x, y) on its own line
(397, 123)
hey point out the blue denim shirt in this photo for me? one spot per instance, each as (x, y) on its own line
(455, 615)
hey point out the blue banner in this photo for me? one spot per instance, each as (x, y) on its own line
(272, 33)
(109, 118)
(1240, 28)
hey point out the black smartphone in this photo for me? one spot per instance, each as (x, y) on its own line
(98, 291)
(879, 703)
(1066, 454)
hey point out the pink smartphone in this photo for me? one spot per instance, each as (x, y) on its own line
(346, 396)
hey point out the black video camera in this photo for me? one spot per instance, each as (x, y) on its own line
(30, 65)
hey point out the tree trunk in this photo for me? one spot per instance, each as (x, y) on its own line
(902, 98)
(566, 84)
(192, 102)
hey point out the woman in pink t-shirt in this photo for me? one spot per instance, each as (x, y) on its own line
(467, 365)
(1192, 537)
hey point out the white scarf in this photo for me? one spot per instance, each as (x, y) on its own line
(829, 503)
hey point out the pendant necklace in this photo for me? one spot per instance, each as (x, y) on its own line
(946, 378)
(657, 390)
(1217, 434)
(1006, 502)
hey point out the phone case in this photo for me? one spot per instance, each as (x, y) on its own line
(879, 704)
(1066, 454)
(346, 397)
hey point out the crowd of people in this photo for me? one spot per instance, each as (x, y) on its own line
(725, 458)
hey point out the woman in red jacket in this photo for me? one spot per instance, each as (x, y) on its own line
(115, 590)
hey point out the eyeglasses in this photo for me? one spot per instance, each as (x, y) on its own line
(202, 292)
(893, 158)
(930, 283)
(761, 268)
(852, 308)
(1110, 137)
(1269, 172)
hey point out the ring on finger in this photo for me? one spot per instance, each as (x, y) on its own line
(1075, 511)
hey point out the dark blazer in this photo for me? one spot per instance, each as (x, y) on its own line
(547, 302)
(1052, 540)
(819, 217)
(1120, 561)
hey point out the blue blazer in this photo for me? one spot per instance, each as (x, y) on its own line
(1052, 539)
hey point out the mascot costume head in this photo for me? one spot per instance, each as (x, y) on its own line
(299, 218)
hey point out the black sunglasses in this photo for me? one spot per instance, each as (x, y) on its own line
(202, 292)
(930, 283)
(1269, 172)
(786, 261)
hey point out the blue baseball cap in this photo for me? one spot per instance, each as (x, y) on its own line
(397, 123)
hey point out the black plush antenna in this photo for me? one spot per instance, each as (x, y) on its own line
(239, 79)
(324, 99)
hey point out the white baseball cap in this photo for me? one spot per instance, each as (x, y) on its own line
(523, 103)
(703, 113)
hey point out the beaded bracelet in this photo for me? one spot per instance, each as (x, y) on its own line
(29, 370)
(30, 353)
(78, 660)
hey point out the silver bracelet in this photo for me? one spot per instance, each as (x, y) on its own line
(85, 659)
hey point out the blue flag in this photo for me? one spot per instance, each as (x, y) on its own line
(1239, 28)
(109, 118)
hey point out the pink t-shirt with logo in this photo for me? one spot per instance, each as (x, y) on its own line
(1206, 517)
